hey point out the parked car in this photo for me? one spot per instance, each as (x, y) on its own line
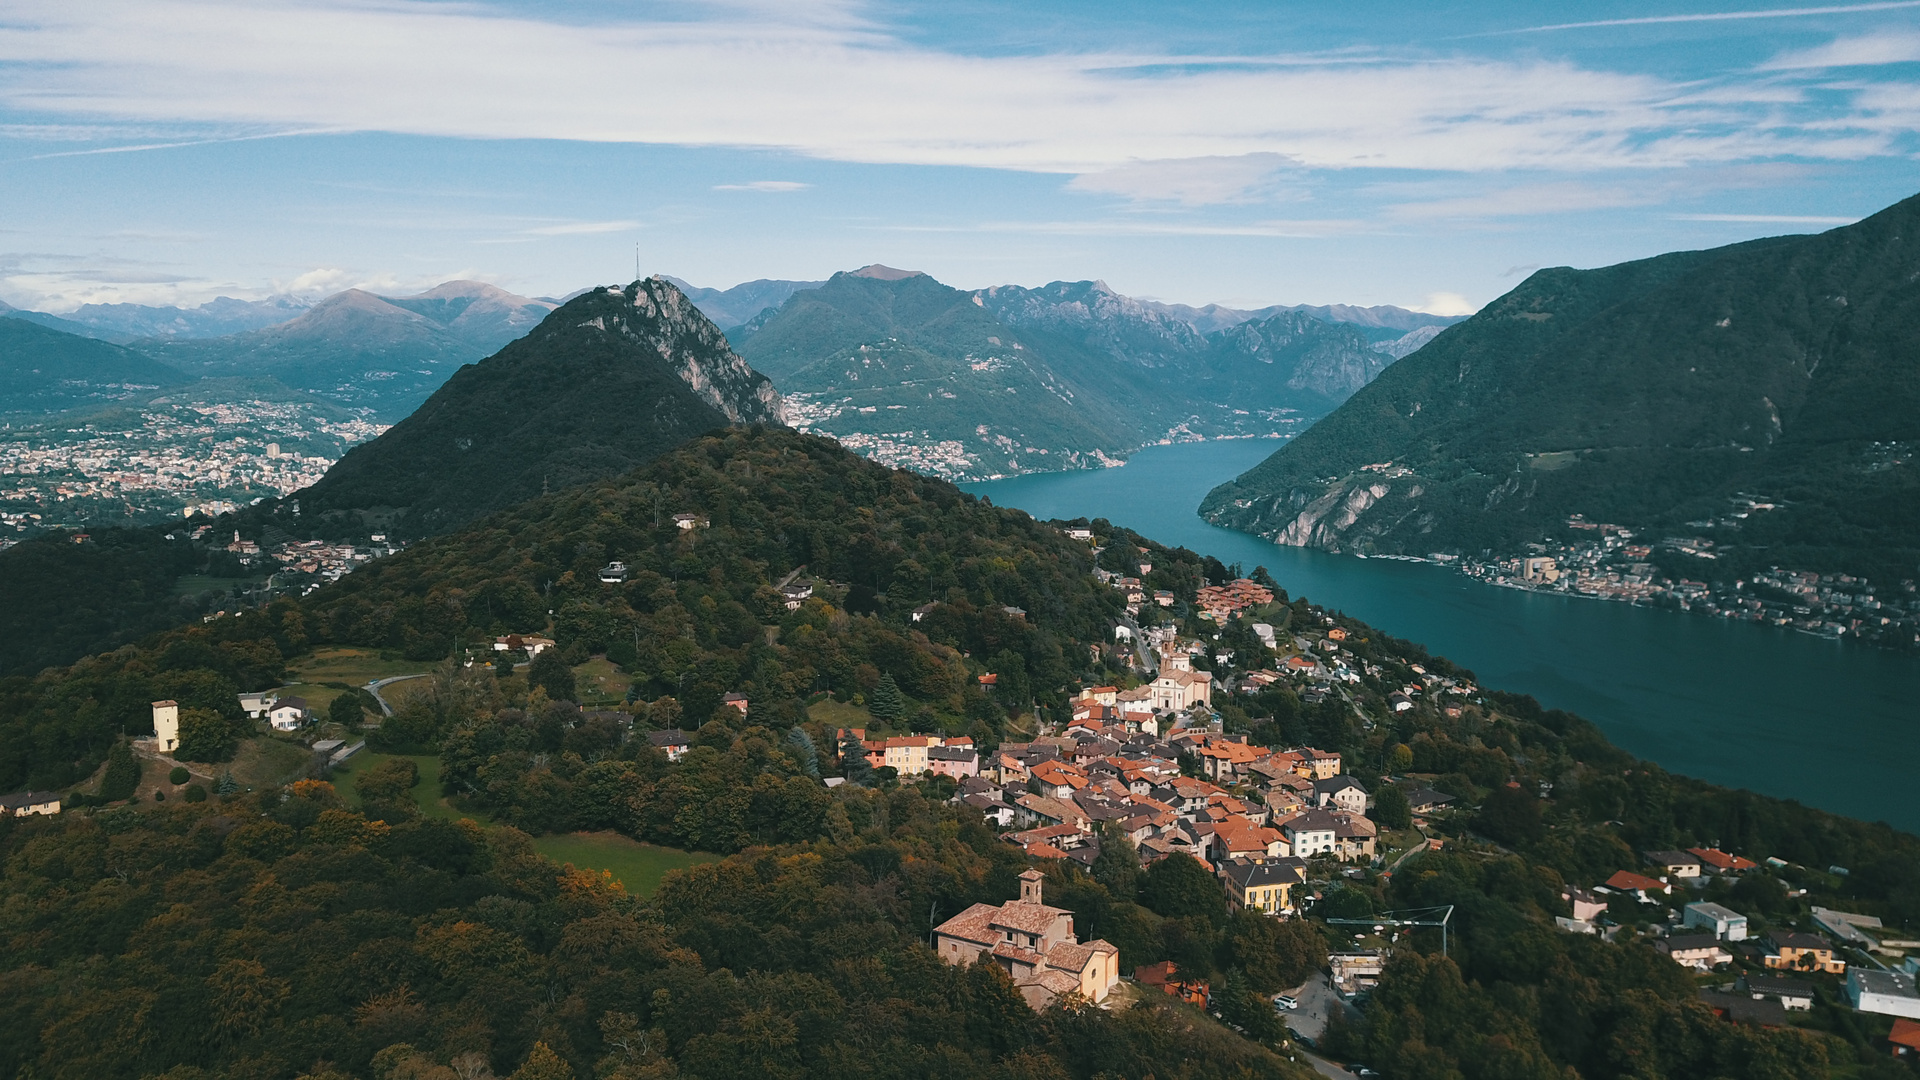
(1286, 1001)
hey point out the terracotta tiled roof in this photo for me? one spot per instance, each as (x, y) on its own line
(1026, 918)
(1019, 954)
(1629, 881)
(972, 925)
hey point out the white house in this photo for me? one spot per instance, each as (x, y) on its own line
(1341, 793)
(288, 714)
(1724, 923)
(256, 705)
(1312, 833)
(1887, 992)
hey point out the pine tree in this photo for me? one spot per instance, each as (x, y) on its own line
(887, 702)
(123, 773)
(853, 761)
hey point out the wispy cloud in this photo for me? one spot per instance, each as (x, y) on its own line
(584, 228)
(1717, 16)
(833, 86)
(1866, 51)
(764, 185)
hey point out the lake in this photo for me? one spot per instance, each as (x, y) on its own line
(1832, 724)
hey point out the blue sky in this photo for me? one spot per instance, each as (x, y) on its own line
(1422, 154)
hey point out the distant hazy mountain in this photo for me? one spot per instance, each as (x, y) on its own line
(729, 308)
(387, 353)
(607, 381)
(1647, 394)
(916, 373)
(215, 318)
(1067, 375)
(44, 370)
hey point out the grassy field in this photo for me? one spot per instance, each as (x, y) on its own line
(840, 714)
(638, 867)
(354, 667)
(426, 795)
(601, 683)
(263, 760)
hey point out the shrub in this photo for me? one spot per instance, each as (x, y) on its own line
(178, 775)
(195, 793)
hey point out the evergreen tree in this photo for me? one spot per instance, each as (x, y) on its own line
(226, 785)
(800, 745)
(123, 773)
(1179, 885)
(1390, 808)
(853, 761)
(887, 702)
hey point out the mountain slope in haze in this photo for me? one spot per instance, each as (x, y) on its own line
(218, 317)
(915, 373)
(1011, 380)
(45, 370)
(384, 353)
(609, 380)
(729, 308)
(1649, 394)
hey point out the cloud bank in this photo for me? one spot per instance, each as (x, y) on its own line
(836, 88)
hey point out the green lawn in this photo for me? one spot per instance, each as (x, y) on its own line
(426, 795)
(840, 714)
(264, 760)
(354, 667)
(601, 683)
(637, 867)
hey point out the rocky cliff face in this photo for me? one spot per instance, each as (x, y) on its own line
(1306, 353)
(611, 379)
(662, 318)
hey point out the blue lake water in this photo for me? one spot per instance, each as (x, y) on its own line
(1835, 725)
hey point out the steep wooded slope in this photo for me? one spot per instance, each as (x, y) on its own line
(1646, 394)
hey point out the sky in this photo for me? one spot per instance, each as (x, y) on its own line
(1425, 153)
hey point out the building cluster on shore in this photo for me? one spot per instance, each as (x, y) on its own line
(1607, 563)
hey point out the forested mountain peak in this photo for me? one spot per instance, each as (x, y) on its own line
(611, 378)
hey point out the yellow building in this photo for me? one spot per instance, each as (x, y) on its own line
(1265, 885)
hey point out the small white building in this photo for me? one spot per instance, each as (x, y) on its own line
(166, 726)
(288, 714)
(1724, 923)
(1886, 992)
(256, 705)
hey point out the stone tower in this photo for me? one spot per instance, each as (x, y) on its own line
(166, 726)
(1030, 882)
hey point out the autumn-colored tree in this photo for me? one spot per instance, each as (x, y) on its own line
(543, 1064)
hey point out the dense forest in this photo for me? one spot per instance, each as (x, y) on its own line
(283, 933)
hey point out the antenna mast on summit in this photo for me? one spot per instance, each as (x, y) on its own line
(636, 260)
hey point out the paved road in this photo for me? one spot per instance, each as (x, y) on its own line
(374, 689)
(1326, 1068)
(1318, 1003)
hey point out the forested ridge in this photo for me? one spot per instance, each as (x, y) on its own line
(1647, 394)
(285, 933)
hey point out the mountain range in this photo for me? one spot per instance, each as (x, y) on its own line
(1069, 375)
(608, 380)
(383, 353)
(1764, 397)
